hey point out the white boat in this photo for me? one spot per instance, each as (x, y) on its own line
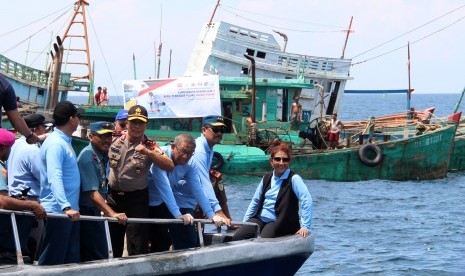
(220, 50)
(276, 256)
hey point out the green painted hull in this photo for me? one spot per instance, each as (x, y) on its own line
(419, 158)
(457, 161)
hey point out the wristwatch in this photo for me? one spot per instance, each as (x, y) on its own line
(66, 209)
(30, 136)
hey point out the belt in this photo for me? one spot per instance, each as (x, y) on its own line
(125, 193)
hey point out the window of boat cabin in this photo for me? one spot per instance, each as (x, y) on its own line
(250, 52)
(245, 70)
(261, 54)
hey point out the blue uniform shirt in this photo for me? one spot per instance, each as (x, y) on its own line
(185, 188)
(268, 212)
(93, 171)
(59, 174)
(7, 96)
(24, 168)
(203, 159)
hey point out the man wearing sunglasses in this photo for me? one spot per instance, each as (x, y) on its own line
(213, 128)
(93, 162)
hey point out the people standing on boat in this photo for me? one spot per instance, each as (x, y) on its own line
(213, 128)
(275, 204)
(8, 103)
(92, 163)
(131, 155)
(175, 195)
(7, 139)
(97, 95)
(104, 97)
(59, 189)
(296, 113)
(335, 127)
(121, 121)
(24, 179)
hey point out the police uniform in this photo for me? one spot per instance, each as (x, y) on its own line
(128, 190)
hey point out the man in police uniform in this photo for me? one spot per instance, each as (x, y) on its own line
(92, 163)
(131, 155)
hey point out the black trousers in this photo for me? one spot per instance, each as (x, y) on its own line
(267, 230)
(136, 205)
(159, 236)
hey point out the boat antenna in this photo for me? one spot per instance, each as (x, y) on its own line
(169, 64)
(285, 39)
(459, 102)
(160, 46)
(134, 65)
(213, 14)
(252, 113)
(347, 37)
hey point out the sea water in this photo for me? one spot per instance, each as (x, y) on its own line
(380, 227)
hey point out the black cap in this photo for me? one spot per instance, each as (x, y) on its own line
(34, 120)
(138, 112)
(64, 110)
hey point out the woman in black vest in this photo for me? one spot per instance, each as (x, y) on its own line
(275, 205)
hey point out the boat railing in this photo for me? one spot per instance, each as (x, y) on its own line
(199, 223)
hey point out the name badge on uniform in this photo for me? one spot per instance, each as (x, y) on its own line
(114, 149)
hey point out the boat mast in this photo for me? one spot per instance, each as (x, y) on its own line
(213, 14)
(347, 37)
(410, 90)
(79, 8)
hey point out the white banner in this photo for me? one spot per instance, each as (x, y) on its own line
(184, 97)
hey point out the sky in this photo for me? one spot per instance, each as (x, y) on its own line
(119, 29)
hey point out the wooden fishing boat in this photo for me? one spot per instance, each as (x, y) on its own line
(217, 256)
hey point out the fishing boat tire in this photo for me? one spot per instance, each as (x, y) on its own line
(366, 152)
(217, 162)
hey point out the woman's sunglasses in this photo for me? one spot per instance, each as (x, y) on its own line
(279, 159)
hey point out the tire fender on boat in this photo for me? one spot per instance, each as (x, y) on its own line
(217, 162)
(364, 156)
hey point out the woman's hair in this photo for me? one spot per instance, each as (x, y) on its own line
(277, 145)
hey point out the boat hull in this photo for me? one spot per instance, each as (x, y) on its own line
(421, 157)
(278, 256)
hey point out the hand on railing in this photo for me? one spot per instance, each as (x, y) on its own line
(226, 220)
(186, 219)
(217, 220)
(121, 217)
(73, 214)
(38, 210)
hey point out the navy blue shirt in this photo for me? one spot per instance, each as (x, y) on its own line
(7, 96)
(93, 171)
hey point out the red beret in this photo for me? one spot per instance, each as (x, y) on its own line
(7, 138)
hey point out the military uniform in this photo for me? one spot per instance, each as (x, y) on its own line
(128, 193)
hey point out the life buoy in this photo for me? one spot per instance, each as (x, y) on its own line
(217, 162)
(366, 153)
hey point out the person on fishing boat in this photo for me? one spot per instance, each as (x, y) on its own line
(97, 95)
(92, 163)
(121, 121)
(131, 155)
(8, 103)
(275, 204)
(335, 127)
(296, 113)
(213, 128)
(175, 195)
(59, 188)
(104, 97)
(24, 178)
(7, 139)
